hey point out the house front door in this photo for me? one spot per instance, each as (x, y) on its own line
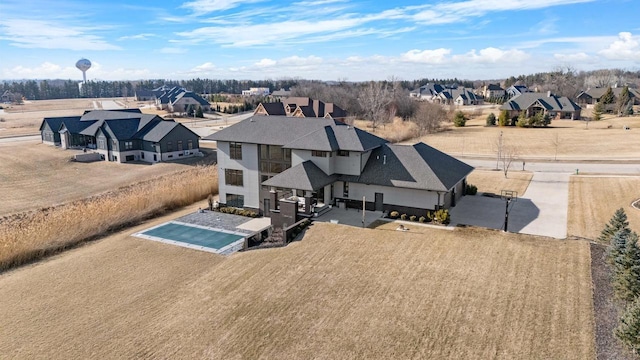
(379, 201)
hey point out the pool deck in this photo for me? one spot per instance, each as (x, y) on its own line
(217, 221)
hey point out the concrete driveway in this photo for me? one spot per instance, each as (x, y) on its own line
(541, 210)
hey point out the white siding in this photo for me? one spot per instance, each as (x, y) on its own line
(347, 165)
(250, 176)
(395, 196)
(324, 163)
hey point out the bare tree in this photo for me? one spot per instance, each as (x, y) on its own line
(509, 154)
(562, 81)
(429, 117)
(555, 141)
(499, 145)
(600, 78)
(374, 99)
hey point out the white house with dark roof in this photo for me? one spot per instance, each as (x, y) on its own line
(122, 135)
(318, 162)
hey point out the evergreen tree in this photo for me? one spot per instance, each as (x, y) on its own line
(624, 102)
(628, 330)
(503, 119)
(617, 222)
(627, 269)
(598, 109)
(199, 112)
(607, 97)
(190, 110)
(491, 120)
(459, 120)
(522, 119)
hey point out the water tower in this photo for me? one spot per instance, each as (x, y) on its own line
(83, 65)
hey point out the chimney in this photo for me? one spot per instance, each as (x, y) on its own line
(549, 93)
(384, 159)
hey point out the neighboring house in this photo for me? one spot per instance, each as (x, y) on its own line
(256, 91)
(558, 107)
(593, 95)
(177, 99)
(458, 96)
(427, 92)
(9, 97)
(493, 91)
(515, 90)
(302, 107)
(270, 163)
(144, 95)
(275, 108)
(186, 98)
(280, 94)
(122, 135)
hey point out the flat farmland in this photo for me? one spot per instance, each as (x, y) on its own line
(341, 293)
(34, 175)
(593, 200)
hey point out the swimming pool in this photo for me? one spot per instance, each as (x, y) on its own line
(195, 237)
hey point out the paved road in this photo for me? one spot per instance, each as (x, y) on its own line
(20, 138)
(598, 166)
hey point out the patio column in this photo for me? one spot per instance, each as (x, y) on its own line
(307, 201)
(273, 200)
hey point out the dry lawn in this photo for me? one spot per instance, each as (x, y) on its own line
(29, 235)
(37, 175)
(593, 200)
(341, 293)
(489, 181)
(574, 141)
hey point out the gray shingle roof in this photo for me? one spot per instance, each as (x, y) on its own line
(554, 103)
(191, 94)
(159, 131)
(299, 133)
(416, 166)
(275, 108)
(56, 122)
(304, 176)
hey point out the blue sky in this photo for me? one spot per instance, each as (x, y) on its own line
(314, 39)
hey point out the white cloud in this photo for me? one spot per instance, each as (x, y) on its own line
(144, 36)
(208, 66)
(173, 50)
(207, 6)
(266, 63)
(43, 34)
(492, 55)
(580, 57)
(627, 47)
(318, 2)
(436, 56)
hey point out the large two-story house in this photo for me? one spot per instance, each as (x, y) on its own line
(318, 162)
(122, 135)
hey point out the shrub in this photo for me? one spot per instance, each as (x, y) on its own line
(430, 215)
(394, 214)
(503, 119)
(413, 218)
(628, 330)
(442, 216)
(422, 219)
(491, 120)
(459, 119)
(471, 190)
(403, 217)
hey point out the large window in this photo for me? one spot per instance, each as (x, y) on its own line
(169, 146)
(233, 177)
(179, 145)
(235, 150)
(128, 145)
(234, 200)
(317, 153)
(274, 159)
(190, 144)
(343, 153)
(345, 189)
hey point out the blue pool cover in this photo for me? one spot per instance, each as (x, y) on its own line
(198, 236)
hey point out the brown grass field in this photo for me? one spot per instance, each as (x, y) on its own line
(593, 200)
(29, 235)
(341, 293)
(37, 175)
(489, 181)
